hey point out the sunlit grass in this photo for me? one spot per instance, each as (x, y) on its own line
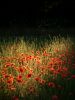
(38, 69)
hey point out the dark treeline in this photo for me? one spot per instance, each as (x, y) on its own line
(36, 32)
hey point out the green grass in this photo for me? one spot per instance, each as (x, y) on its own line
(37, 68)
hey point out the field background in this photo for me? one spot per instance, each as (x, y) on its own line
(37, 50)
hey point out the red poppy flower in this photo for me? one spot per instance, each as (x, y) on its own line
(19, 78)
(37, 78)
(29, 75)
(21, 69)
(42, 82)
(31, 89)
(15, 98)
(10, 80)
(65, 69)
(64, 75)
(51, 84)
(73, 76)
(54, 97)
(45, 53)
(5, 76)
(8, 64)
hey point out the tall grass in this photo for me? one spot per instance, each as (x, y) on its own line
(37, 70)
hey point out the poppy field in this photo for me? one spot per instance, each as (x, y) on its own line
(37, 71)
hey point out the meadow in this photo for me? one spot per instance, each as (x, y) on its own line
(37, 68)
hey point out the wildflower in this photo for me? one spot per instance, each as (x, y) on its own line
(42, 82)
(19, 78)
(10, 79)
(73, 66)
(29, 75)
(64, 75)
(69, 61)
(54, 97)
(21, 69)
(31, 89)
(65, 69)
(51, 84)
(73, 76)
(38, 52)
(29, 58)
(15, 98)
(45, 53)
(56, 72)
(37, 78)
(38, 61)
(5, 76)
(52, 69)
(32, 52)
(61, 55)
(8, 64)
